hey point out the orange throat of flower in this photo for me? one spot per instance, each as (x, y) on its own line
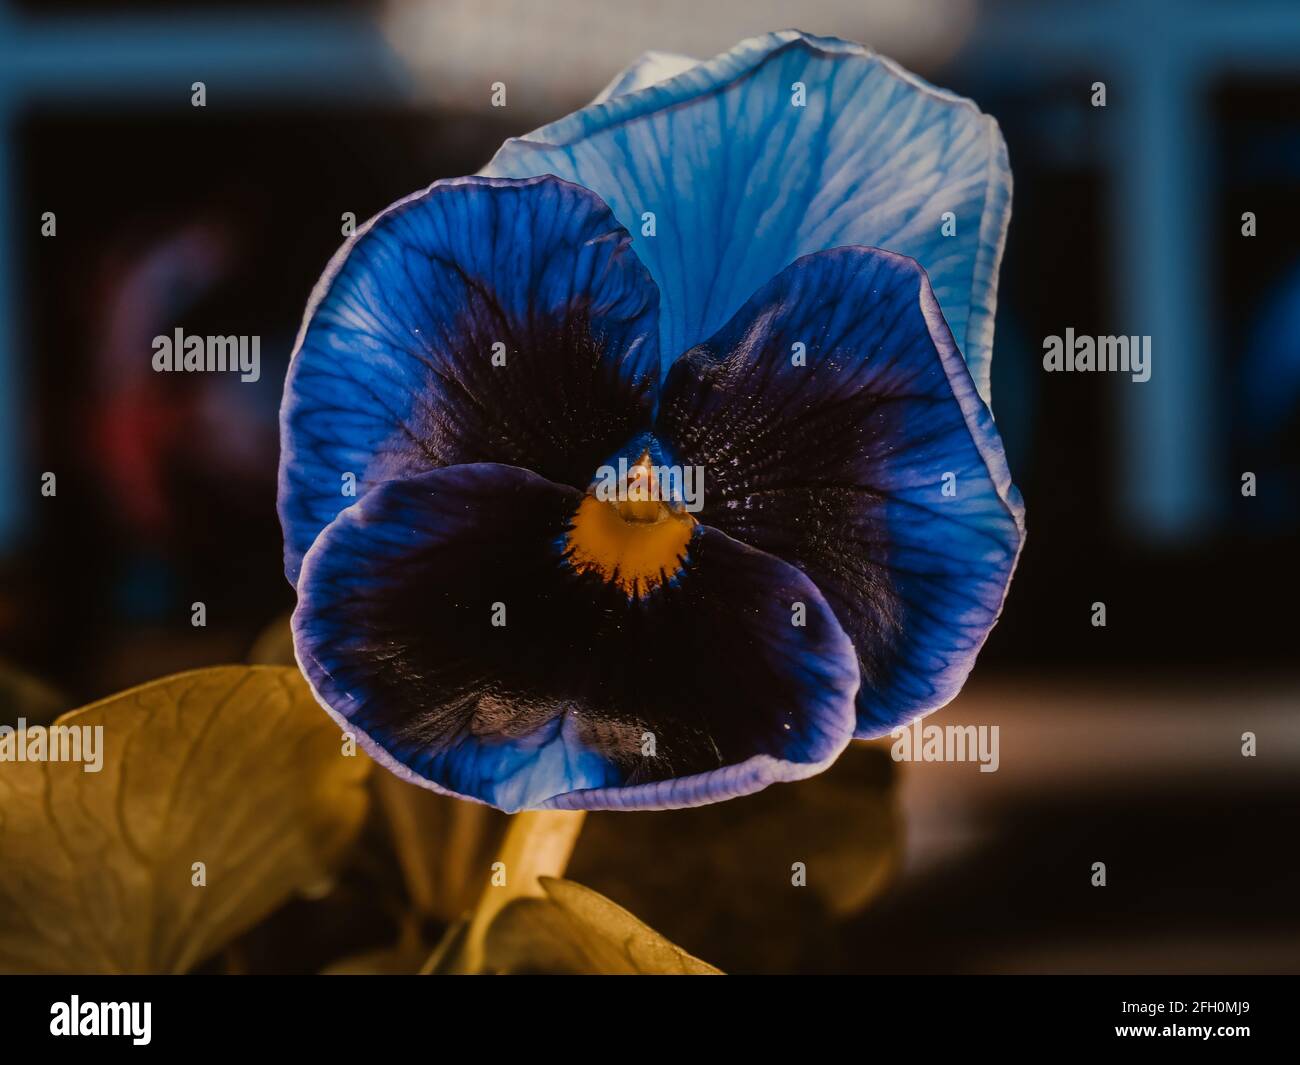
(636, 544)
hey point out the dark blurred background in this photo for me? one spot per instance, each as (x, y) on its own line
(1119, 743)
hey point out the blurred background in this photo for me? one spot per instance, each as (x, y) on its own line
(1119, 744)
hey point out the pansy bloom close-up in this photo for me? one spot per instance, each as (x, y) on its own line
(534, 499)
(654, 464)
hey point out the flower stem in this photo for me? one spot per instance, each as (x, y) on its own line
(537, 843)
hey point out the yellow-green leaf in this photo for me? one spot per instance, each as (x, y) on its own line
(232, 775)
(575, 930)
(816, 852)
(443, 845)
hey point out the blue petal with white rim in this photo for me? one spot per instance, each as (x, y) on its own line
(840, 430)
(481, 320)
(438, 621)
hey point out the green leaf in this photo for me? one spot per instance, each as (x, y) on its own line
(575, 930)
(235, 767)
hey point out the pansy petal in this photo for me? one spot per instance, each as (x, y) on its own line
(839, 429)
(438, 621)
(479, 320)
(648, 69)
(743, 176)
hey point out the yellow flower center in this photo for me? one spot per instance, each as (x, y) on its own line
(636, 542)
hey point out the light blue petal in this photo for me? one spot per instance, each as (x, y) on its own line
(649, 69)
(742, 182)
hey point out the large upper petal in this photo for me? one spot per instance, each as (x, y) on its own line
(649, 68)
(439, 622)
(394, 372)
(839, 429)
(742, 182)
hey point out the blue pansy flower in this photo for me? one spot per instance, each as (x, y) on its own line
(778, 268)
